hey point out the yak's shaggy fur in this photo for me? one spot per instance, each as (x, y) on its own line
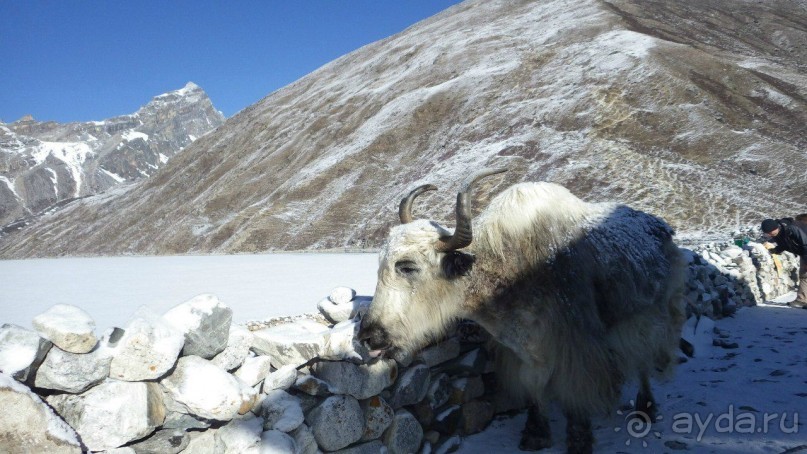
(579, 296)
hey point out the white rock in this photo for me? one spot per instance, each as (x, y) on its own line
(254, 370)
(241, 435)
(341, 343)
(21, 351)
(277, 442)
(207, 391)
(342, 295)
(205, 321)
(341, 312)
(699, 333)
(238, 344)
(68, 327)
(335, 313)
(293, 343)
(112, 413)
(73, 372)
(282, 378)
(148, 348)
(205, 442)
(281, 411)
(28, 425)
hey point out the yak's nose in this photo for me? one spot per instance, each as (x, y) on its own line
(372, 334)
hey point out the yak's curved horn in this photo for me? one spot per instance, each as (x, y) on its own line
(463, 235)
(405, 208)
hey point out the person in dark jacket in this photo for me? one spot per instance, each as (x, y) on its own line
(792, 237)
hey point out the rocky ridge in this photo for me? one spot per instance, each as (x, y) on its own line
(47, 164)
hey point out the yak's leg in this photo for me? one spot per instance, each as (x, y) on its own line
(536, 434)
(646, 407)
(579, 437)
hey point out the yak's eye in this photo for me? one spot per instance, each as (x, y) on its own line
(406, 268)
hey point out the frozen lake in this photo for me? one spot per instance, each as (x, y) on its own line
(110, 289)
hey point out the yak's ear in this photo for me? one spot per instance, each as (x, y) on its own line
(456, 264)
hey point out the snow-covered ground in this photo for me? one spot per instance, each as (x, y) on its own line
(111, 289)
(748, 399)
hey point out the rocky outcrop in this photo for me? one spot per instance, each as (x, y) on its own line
(44, 165)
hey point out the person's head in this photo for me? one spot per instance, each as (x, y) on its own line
(770, 227)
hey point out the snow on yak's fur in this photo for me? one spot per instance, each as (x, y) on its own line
(578, 296)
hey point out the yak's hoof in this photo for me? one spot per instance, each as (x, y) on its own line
(531, 442)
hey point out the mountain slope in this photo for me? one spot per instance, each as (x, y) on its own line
(43, 164)
(694, 111)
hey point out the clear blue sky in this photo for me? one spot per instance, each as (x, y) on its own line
(91, 60)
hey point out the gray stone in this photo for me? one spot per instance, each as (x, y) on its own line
(411, 387)
(281, 411)
(361, 381)
(208, 391)
(282, 378)
(254, 370)
(439, 353)
(21, 351)
(167, 441)
(68, 327)
(404, 434)
(304, 439)
(291, 343)
(377, 417)
(73, 372)
(205, 321)
(28, 425)
(447, 421)
(475, 417)
(277, 442)
(147, 350)
(440, 391)
(238, 344)
(372, 447)
(330, 435)
(466, 389)
(470, 363)
(112, 413)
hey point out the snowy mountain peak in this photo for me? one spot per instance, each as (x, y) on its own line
(47, 163)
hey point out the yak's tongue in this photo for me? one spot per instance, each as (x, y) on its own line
(376, 353)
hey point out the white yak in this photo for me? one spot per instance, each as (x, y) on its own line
(578, 296)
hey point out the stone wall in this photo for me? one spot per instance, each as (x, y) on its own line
(190, 381)
(725, 276)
